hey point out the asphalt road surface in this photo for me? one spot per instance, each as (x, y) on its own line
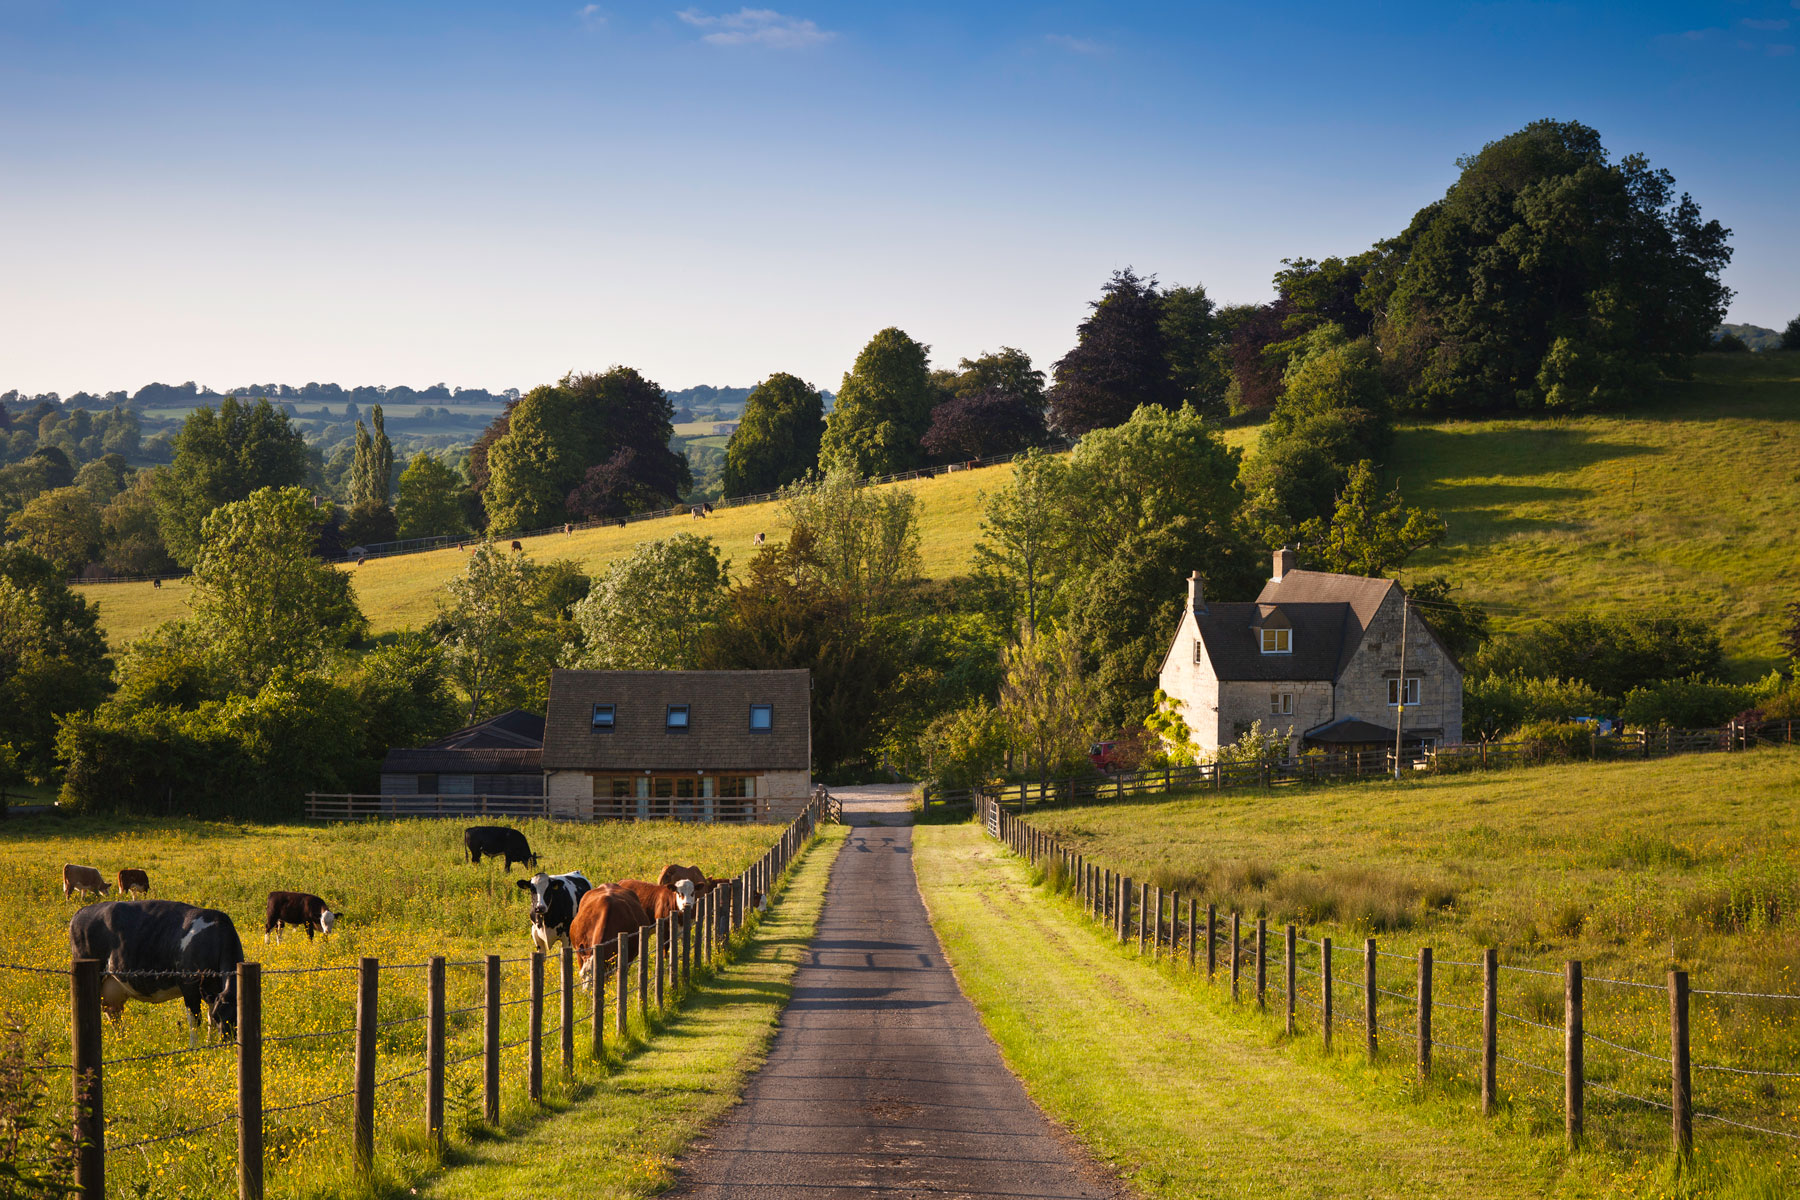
(882, 1081)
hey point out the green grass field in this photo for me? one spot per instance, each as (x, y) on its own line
(1632, 868)
(406, 892)
(1685, 506)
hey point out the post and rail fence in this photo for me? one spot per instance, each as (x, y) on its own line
(682, 947)
(1581, 1061)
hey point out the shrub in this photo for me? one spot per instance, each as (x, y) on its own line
(1557, 740)
(1691, 703)
(1498, 704)
(1610, 655)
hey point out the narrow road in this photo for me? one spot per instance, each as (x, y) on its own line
(882, 1081)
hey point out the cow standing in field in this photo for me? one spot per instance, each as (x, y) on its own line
(133, 880)
(660, 901)
(82, 880)
(156, 950)
(555, 899)
(303, 910)
(606, 911)
(675, 873)
(498, 841)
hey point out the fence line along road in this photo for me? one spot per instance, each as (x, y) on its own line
(371, 806)
(1137, 913)
(1358, 764)
(681, 946)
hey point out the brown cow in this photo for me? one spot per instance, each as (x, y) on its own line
(660, 901)
(606, 911)
(133, 880)
(82, 879)
(674, 873)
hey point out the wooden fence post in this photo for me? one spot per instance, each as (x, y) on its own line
(566, 1009)
(687, 955)
(1193, 942)
(1572, 1057)
(1369, 956)
(250, 1081)
(1262, 964)
(643, 949)
(434, 1051)
(1143, 907)
(1212, 941)
(535, 1049)
(490, 1041)
(621, 964)
(662, 962)
(1289, 979)
(1681, 1092)
(1325, 991)
(597, 978)
(1123, 915)
(1424, 1013)
(88, 1093)
(368, 995)
(1490, 1028)
(1236, 957)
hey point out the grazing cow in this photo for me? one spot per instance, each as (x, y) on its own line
(303, 910)
(606, 911)
(674, 873)
(156, 950)
(82, 879)
(554, 901)
(498, 841)
(516, 546)
(133, 880)
(660, 901)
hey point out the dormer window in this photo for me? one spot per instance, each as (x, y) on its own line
(762, 718)
(1277, 641)
(677, 720)
(604, 716)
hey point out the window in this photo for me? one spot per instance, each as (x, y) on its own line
(1395, 700)
(677, 720)
(603, 718)
(1199, 652)
(762, 718)
(1277, 641)
(1281, 704)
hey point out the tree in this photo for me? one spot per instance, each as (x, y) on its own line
(1119, 363)
(1048, 701)
(62, 525)
(1790, 337)
(1549, 277)
(651, 610)
(1789, 639)
(1194, 338)
(1611, 654)
(261, 599)
(500, 623)
(863, 542)
(882, 410)
(53, 658)
(1370, 533)
(1020, 555)
(372, 465)
(130, 537)
(985, 425)
(368, 525)
(430, 504)
(222, 457)
(777, 439)
(1461, 625)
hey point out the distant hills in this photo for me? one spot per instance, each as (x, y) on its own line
(1753, 336)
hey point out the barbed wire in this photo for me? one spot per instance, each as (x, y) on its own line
(1594, 1037)
(1746, 995)
(1501, 1012)
(114, 1062)
(170, 1137)
(1747, 1071)
(1743, 1125)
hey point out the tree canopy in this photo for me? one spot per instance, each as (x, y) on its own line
(996, 407)
(777, 439)
(53, 659)
(430, 502)
(652, 609)
(882, 410)
(1119, 362)
(220, 457)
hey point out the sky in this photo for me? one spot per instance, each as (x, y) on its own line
(493, 194)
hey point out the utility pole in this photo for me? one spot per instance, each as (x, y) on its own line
(1400, 695)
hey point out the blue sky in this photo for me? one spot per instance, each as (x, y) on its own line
(493, 194)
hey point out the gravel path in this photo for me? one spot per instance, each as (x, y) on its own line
(882, 1081)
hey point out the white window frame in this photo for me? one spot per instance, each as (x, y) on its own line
(1411, 692)
(1281, 704)
(1277, 641)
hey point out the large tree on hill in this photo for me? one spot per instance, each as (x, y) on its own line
(53, 659)
(1120, 362)
(221, 457)
(1548, 276)
(1790, 337)
(777, 440)
(558, 434)
(882, 409)
(1194, 339)
(996, 406)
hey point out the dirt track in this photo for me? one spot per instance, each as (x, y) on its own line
(882, 1081)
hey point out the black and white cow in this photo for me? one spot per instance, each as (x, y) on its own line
(301, 909)
(156, 950)
(555, 899)
(498, 841)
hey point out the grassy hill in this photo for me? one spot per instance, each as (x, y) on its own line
(1687, 505)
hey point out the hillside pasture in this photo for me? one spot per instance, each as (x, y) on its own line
(1633, 868)
(406, 892)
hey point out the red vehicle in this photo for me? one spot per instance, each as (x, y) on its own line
(1107, 756)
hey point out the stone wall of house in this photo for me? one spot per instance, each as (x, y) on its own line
(571, 794)
(1242, 704)
(1362, 689)
(1194, 686)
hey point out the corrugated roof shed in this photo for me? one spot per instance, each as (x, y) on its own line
(718, 736)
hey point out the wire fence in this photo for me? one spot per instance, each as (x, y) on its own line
(1614, 1050)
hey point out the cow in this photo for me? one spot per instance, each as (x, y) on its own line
(703, 883)
(554, 902)
(303, 910)
(660, 901)
(156, 950)
(498, 841)
(133, 880)
(606, 911)
(80, 880)
(516, 546)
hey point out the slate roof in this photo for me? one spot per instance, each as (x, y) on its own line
(1234, 647)
(718, 737)
(1359, 593)
(508, 744)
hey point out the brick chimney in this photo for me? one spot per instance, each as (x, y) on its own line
(1196, 593)
(1284, 562)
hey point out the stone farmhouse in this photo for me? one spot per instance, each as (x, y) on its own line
(1316, 657)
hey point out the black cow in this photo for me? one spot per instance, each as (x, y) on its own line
(555, 900)
(300, 909)
(498, 841)
(156, 950)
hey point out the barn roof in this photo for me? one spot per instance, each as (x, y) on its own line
(510, 743)
(717, 737)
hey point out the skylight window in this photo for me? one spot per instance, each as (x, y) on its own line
(604, 715)
(677, 720)
(762, 718)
